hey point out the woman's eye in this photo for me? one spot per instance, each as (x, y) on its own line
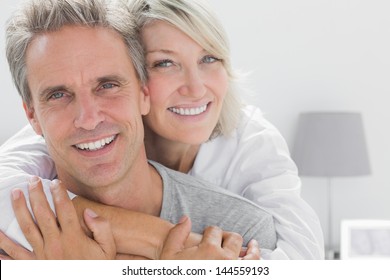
(163, 63)
(209, 59)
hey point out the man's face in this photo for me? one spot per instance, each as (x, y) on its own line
(87, 102)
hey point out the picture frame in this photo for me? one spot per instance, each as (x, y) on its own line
(365, 239)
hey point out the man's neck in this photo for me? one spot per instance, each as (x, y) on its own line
(140, 190)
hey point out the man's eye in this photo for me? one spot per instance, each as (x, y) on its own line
(56, 95)
(209, 59)
(108, 86)
(163, 63)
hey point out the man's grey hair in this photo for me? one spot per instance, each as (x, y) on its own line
(36, 17)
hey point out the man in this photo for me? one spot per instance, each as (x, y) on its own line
(78, 66)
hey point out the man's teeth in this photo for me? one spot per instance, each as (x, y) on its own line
(188, 111)
(93, 146)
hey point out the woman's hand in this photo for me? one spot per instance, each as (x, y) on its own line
(252, 252)
(215, 245)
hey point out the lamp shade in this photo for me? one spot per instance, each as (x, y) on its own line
(331, 144)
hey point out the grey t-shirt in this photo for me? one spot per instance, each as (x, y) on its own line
(207, 205)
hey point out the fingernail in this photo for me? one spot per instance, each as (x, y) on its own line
(15, 194)
(90, 213)
(54, 185)
(33, 182)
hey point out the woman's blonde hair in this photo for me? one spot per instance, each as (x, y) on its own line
(196, 19)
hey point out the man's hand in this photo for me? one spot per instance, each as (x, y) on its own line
(57, 238)
(215, 244)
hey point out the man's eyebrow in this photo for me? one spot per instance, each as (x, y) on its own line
(110, 78)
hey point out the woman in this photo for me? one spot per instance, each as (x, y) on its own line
(198, 126)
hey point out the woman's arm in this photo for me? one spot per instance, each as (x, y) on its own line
(255, 163)
(134, 232)
(22, 156)
(276, 188)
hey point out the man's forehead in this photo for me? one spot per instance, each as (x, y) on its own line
(78, 55)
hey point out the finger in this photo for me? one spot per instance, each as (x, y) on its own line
(44, 215)
(5, 258)
(129, 257)
(101, 231)
(26, 221)
(252, 252)
(66, 212)
(13, 250)
(177, 236)
(243, 252)
(212, 236)
(232, 244)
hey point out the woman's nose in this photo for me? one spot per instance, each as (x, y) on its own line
(193, 84)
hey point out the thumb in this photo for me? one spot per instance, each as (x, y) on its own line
(177, 236)
(102, 233)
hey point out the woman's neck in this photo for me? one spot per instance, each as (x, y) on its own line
(174, 155)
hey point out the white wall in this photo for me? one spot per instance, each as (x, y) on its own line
(11, 113)
(303, 55)
(308, 55)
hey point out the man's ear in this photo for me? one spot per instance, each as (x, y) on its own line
(145, 101)
(31, 116)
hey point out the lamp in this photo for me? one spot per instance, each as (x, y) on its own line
(331, 144)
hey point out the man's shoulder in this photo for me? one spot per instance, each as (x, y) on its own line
(173, 177)
(187, 184)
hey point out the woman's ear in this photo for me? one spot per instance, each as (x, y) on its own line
(31, 116)
(145, 101)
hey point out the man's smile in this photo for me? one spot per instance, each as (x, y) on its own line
(96, 145)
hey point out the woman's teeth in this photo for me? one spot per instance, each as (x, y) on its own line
(97, 145)
(188, 111)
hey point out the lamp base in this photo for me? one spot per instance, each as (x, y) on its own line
(331, 254)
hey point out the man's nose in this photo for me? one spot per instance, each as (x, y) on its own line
(88, 113)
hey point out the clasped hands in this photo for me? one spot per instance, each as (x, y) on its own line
(63, 237)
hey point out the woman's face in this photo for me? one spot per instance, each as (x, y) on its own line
(186, 84)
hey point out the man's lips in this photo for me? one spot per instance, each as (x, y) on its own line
(96, 145)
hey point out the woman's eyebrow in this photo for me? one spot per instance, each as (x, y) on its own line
(160, 51)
